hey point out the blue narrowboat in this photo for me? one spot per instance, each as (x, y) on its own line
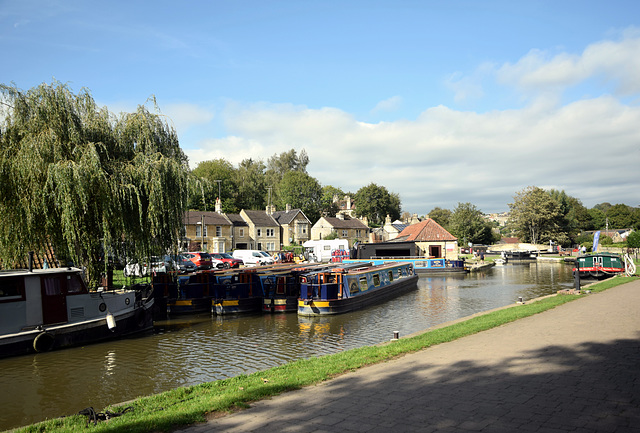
(281, 285)
(353, 286)
(421, 265)
(236, 291)
(192, 295)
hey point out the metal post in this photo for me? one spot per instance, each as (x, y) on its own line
(576, 276)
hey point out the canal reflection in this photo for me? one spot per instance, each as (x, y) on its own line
(190, 350)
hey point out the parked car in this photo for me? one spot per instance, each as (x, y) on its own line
(182, 264)
(253, 257)
(228, 260)
(203, 260)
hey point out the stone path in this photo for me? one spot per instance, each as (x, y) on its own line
(573, 368)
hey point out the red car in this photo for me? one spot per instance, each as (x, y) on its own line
(202, 260)
(228, 260)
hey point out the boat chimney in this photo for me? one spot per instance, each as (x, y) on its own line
(30, 261)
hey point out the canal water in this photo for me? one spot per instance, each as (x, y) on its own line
(192, 350)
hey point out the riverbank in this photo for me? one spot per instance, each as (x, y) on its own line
(184, 406)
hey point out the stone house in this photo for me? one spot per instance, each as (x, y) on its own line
(343, 226)
(211, 229)
(263, 231)
(431, 239)
(295, 227)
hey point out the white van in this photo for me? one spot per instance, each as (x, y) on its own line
(253, 257)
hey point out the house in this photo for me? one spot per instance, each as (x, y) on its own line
(431, 239)
(240, 234)
(211, 230)
(295, 227)
(263, 230)
(346, 207)
(342, 226)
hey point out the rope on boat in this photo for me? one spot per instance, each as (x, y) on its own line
(94, 417)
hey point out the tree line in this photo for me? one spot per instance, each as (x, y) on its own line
(539, 216)
(282, 180)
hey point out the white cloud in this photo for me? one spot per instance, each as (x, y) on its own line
(185, 116)
(588, 147)
(388, 105)
(617, 62)
(447, 156)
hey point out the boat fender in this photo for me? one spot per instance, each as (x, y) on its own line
(43, 342)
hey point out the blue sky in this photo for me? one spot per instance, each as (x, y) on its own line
(442, 102)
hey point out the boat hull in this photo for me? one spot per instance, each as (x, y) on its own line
(78, 334)
(421, 265)
(313, 307)
(237, 306)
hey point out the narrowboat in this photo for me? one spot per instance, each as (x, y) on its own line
(599, 265)
(353, 286)
(236, 291)
(193, 294)
(420, 264)
(281, 286)
(49, 309)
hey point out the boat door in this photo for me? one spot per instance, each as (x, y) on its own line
(597, 261)
(54, 299)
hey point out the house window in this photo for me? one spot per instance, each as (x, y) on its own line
(198, 231)
(241, 233)
(270, 233)
(345, 233)
(205, 231)
(259, 232)
(358, 233)
(218, 231)
(271, 246)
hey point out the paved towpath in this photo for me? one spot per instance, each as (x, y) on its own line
(573, 368)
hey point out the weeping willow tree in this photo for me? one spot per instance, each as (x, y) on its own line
(85, 181)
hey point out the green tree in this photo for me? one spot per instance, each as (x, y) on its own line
(468, 225)
(74, 176)
(534, 214)
(633, 241)
(301, 191)
(620, 216)
(598, 219)
(327, 205)
(441, 216)
(251, 184)
(279, 165)
(214, 178)
(375, 202)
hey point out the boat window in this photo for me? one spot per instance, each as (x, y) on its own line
(363, 284)
(52, 286)
(74, 284)
(376, 280)
(390, 276)
(11, 289)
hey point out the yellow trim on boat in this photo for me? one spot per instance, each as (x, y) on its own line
(183, 302)
(314, 304)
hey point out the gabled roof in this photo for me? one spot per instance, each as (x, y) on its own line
(425, 231)
(347, 223)
(260, 218)
(286, 217)
(208, 218)
(236, 219)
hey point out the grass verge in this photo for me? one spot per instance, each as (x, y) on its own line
(184, 406)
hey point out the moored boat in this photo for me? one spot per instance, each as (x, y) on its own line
(599, 265)
(433, 266)
(48, 309)
(353, 286)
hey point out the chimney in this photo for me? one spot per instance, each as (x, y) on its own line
(218, 205)
(271, 209)
(288, 207)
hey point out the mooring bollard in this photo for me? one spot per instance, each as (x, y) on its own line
(396, 335)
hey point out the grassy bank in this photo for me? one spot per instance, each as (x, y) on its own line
(172, 409)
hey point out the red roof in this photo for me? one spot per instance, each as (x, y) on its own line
(426, 231)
